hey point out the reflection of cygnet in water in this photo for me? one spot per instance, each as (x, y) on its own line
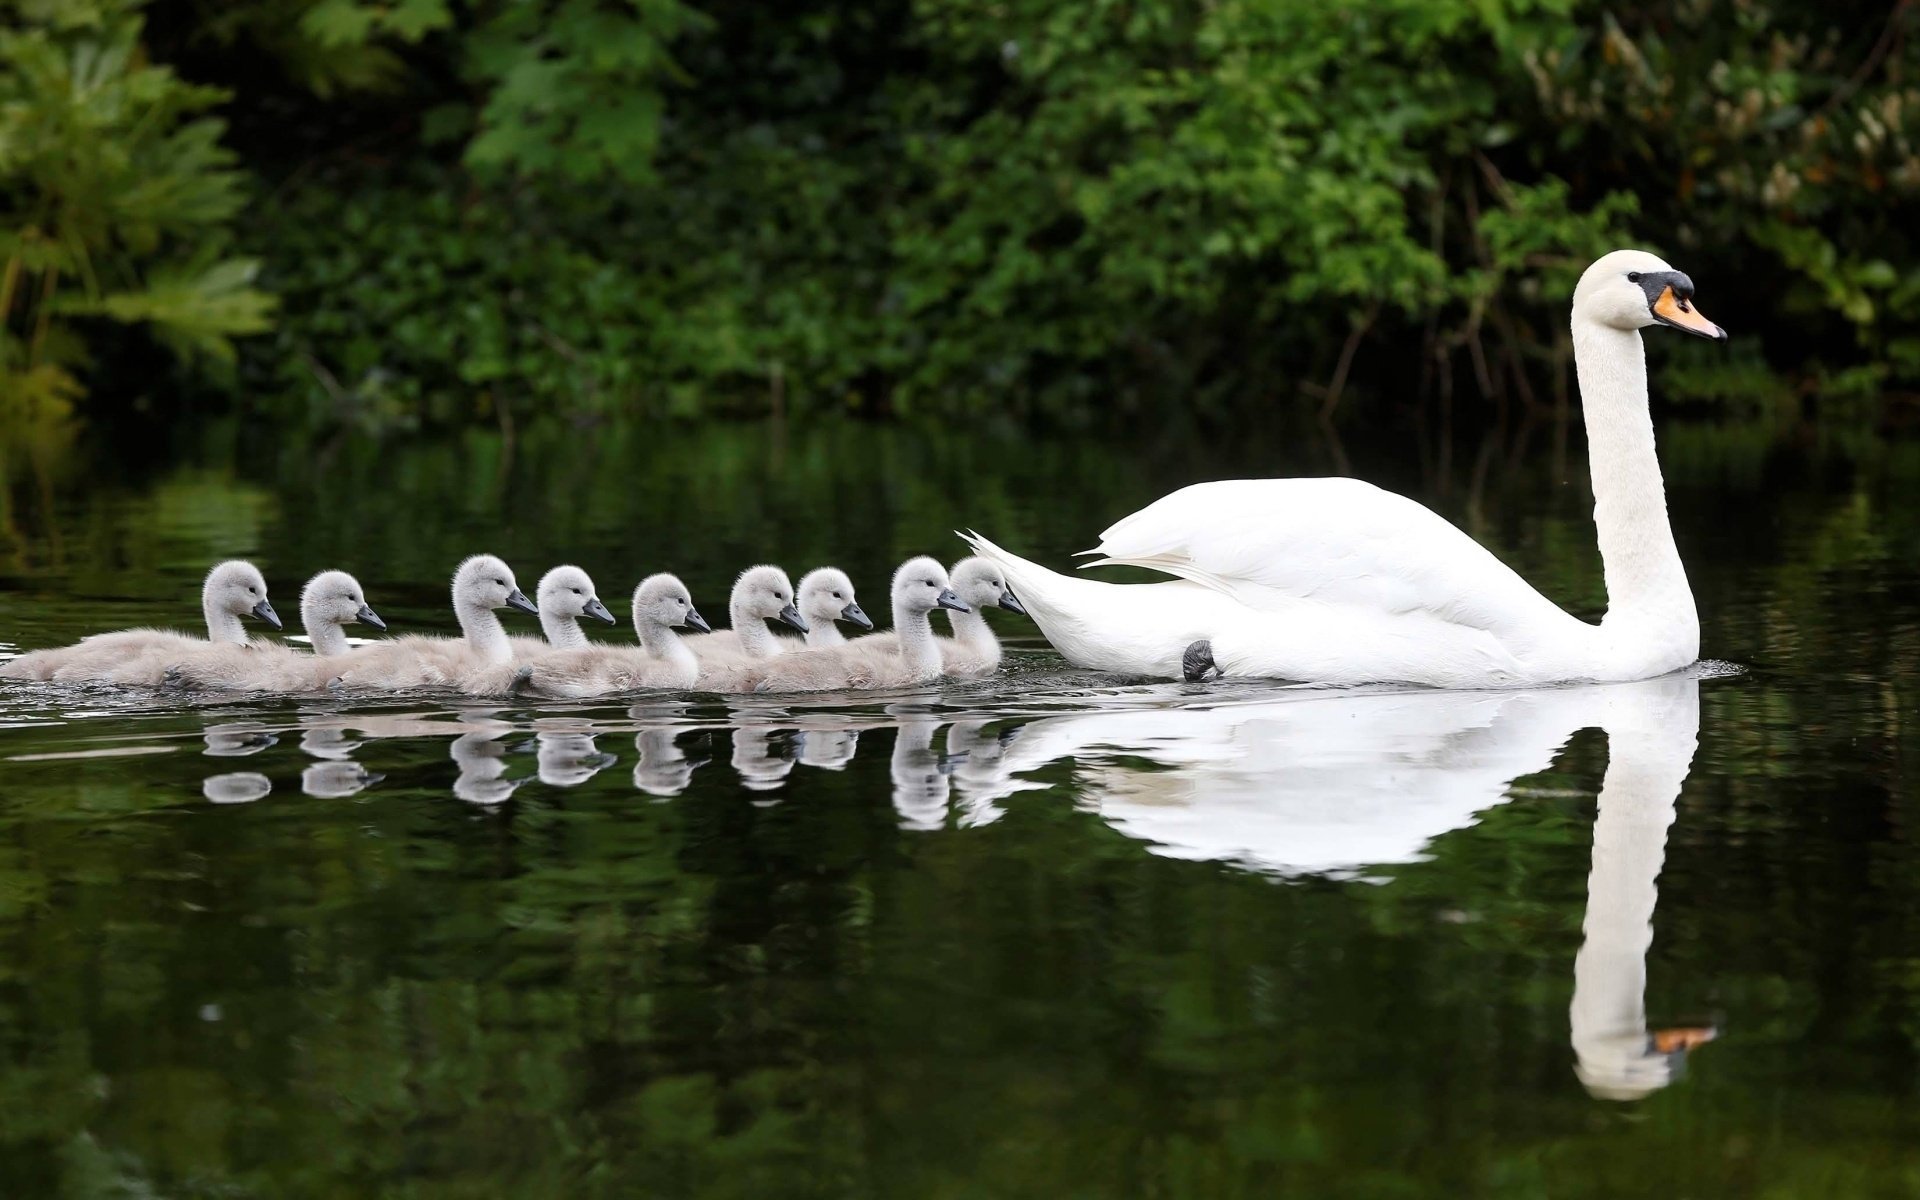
(1648, 755)
(329, 742)
(977, 762)
(761, 768)
(662, 770)
(569, 759)
(920, 785)
(482, 760)
(336, 780)
(827, 749)
(237, 787)
(236, 740)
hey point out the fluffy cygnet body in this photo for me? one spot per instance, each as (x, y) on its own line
(330, 602)
(481, 584)
(761, 594)
(565, 595)
(661, 604)
(973, 651)
(910, 656)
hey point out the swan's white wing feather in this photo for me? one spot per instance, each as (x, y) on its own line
(1268, 542)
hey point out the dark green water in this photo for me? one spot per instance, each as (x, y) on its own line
(1043, 936)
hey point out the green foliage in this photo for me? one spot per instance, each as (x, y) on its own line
(116, 198)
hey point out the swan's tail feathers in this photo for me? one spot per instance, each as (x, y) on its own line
(1047, 595)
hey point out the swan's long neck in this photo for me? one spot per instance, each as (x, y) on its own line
(918, 649)
(824, 631)
(755, 638)
(971, 630)
(1646, 583)
(485, 633)
(563, 632)
(222, 626)
(662, 643)
(328, 638)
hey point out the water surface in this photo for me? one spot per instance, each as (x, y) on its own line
(1049, 934)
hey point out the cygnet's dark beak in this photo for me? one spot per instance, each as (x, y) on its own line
(853, 613)
(696, 622)
(366, 616)
(518, 599)
(791, 616)
(1011, 602)
(264, 611)
(949, 600)
(598, 612)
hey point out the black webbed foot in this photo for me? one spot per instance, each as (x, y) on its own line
(1197, 663)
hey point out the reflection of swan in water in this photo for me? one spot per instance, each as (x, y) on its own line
(761, 768)
(482, 760)
(1648, 753)
(827, 749)
(920, 784)
(663, 770)
(236, 740)
(568, 757)
(977, 762)
(1335, 783)
(328, 742)
(236, 787)
(337, 780)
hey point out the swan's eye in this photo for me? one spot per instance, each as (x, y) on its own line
(1633, 277)
(838, 596)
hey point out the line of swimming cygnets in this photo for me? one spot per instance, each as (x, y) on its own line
(485, 661)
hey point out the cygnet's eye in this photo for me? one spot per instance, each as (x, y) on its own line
(838, 596)
(578, 592)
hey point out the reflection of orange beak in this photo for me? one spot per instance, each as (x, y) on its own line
(1666, 1041)
(1672, 310)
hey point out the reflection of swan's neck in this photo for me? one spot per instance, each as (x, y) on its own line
(1645, 769)
(484, 632)
(1646, 583)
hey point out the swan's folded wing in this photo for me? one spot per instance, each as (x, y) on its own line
(1269, 543)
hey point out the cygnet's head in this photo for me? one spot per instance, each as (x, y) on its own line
(335, 598)
(1631, 289)
(826, 595)
(662, 600)
(568, 592)
(484, 582)
(921, 585)
(237, 587)
(766, 594)
(980, 583)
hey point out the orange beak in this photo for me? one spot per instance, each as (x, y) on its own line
(1666, 1041)
(1670, 309)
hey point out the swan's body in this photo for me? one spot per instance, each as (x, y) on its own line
(761, 594)
(909, 657)
(826, 599)
(331, 601)
(565, 595)
(231, 591)
(973, 652)
(481, 584)
(662, 660)
(1336, 581)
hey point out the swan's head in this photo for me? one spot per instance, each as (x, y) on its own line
(826, 595)
(765, 594)
(237, 587)
(982, 584)
(335, 598)
(1631, 289)
(568, 592)
(921, 585)
(484, 582)
(662, 601)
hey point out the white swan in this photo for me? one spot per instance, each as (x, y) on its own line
(973, 652)
(565, 594)
(331, 601)
(1337, 581)
(910, 656)
(661, 604)
(232, 590)
(826, 598)
(481, 584)
(761, 594)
